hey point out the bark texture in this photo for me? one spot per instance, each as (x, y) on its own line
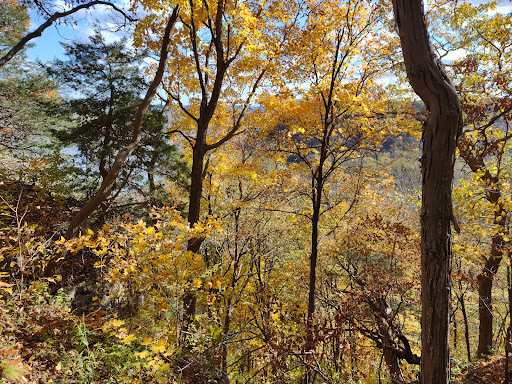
(109, 180)
(475, 160)
(440, 132)
(485, 280)
(387, 336)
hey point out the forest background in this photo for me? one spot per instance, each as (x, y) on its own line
(231, 192)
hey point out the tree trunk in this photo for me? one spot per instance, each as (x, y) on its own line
(486, 277)
(382, 312)
(152, 188)
(313, 257)
(440, 132)
(466, 326)
(194, 212)
(317, 185)
(485, 280)
(455, 339)
(109, 181)
(196, 186)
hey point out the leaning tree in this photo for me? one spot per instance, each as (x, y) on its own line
(428, 78)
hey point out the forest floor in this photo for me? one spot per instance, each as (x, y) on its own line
(491, 371)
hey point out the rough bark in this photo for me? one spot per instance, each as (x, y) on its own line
(490, 268)
(313, 260)
(196, 185)
(394, 345)
(108, 182)
(440, 132)
(54, 17)
(485, 280)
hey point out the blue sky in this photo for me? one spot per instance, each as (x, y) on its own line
(47, 47)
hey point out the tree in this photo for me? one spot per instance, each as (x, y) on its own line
(441, 130)
(46, 8)
(248, 252)
(482, 77)
(108, 81)
(225, 51)
(110, 178)
(14, 21)
(26, 92)
(378, 256)
(332, 120)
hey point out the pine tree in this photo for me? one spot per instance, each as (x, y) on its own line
(104, 82)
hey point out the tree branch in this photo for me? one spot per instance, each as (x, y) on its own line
(57, 15)
(106, 186)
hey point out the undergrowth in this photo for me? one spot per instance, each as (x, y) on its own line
(42, 341)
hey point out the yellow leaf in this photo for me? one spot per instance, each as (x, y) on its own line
(142, 354)
(159, 347)
(128, 339)
(147, 341)
(117, 323)
(218, 284)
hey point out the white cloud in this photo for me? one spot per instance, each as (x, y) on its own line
(504, 9)
(61, 5)
(504, 6)
(454, 55)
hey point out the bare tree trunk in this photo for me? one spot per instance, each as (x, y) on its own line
(440, 132)
(313, 259)
(466, 325)
(387, 333)
(196, 184)
(108, 182)
(485, 280)
(194, 213)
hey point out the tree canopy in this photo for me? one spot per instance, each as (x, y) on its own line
(246, 191)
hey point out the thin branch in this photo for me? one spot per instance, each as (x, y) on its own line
(58, 15)
(108, 182)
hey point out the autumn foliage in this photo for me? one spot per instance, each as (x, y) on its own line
(258, 217)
